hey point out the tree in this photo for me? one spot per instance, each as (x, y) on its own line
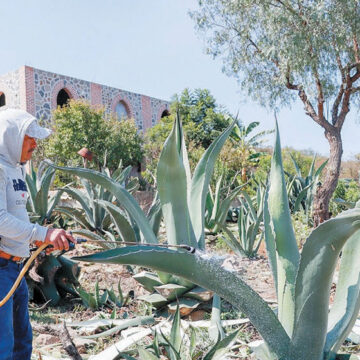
(280, 50)
(203, 121)
(199, 114)
(80, 125)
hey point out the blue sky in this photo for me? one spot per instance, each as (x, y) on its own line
(145, 46)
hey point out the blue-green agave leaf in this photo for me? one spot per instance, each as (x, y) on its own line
(77, 195)
(121, 223)
(200, 184)
(172, 188)
(175, 333)
(43, 193)
(286, 246)
(125, 199)
(346, 306)
(206, 272)
(313, 283)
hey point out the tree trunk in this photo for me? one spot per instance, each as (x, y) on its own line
(326, 189)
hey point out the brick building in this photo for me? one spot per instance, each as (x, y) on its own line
(39, 92)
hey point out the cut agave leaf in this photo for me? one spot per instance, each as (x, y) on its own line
(199, 293)
(148, 280)
(186, 306)
(155, 300)
(170, 291)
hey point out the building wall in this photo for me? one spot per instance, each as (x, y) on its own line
(10, 86)
(36, 91)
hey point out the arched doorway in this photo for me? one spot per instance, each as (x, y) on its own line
(62, 98)
(121, 110)
(2, 99)
(165, 113)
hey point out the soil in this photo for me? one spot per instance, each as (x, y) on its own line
(255, 272)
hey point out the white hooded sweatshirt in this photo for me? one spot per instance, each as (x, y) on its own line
(16, 231)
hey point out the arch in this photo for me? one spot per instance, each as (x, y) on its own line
(121, 110)
(62, 85)
(63, 97)
(2, 99)
(119, 99)
(11, 98)
(166, 112)
(161, 110)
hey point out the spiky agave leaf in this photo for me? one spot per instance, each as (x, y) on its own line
(122, 195)
(200, 184)
(317, 265)
(345, 308)
(208, 273)
(287, 253)
(173, 189)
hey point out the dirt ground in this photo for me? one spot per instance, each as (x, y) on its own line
(255, 272)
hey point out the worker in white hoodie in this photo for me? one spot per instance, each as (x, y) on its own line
(18, 133)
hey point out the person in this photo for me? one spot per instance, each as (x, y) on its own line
(18, 134)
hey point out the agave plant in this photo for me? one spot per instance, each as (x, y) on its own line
(98, 299)
(303, 327)
(250, 218)
(217, 207)
(93, 215)
(182, 200)
(174, 346)
(41, 205)
(301, 190)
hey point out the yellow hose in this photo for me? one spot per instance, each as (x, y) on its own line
(22, 273)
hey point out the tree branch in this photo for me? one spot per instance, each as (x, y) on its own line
(345, 105)
(320, 96)
(356, 49)
(335, 107)
(355, 89)
(309, 109)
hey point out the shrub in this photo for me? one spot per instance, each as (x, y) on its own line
(80, 125)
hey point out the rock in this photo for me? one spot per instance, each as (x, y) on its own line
(45, 339)
(81, 344)
(197, 315)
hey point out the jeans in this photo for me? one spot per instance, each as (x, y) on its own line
(15, 328)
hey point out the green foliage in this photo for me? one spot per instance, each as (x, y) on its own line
(301, 190)
(299, 331)
(250, 217)
(102, 297)
(173, 346)
(80, 125)
(203, 120)
(40, 205)
(246, 36)
(346, 194)
(94, 200)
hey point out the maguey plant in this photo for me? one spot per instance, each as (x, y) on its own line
(40, 203)
(217, 206)
(93, 201)
(182, 199)
(250, 218)
(303, 328)
(51, 277)
(301, 190)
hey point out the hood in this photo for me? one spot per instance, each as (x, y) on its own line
(13, 126)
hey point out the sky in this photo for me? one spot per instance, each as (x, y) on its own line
(145, 46)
